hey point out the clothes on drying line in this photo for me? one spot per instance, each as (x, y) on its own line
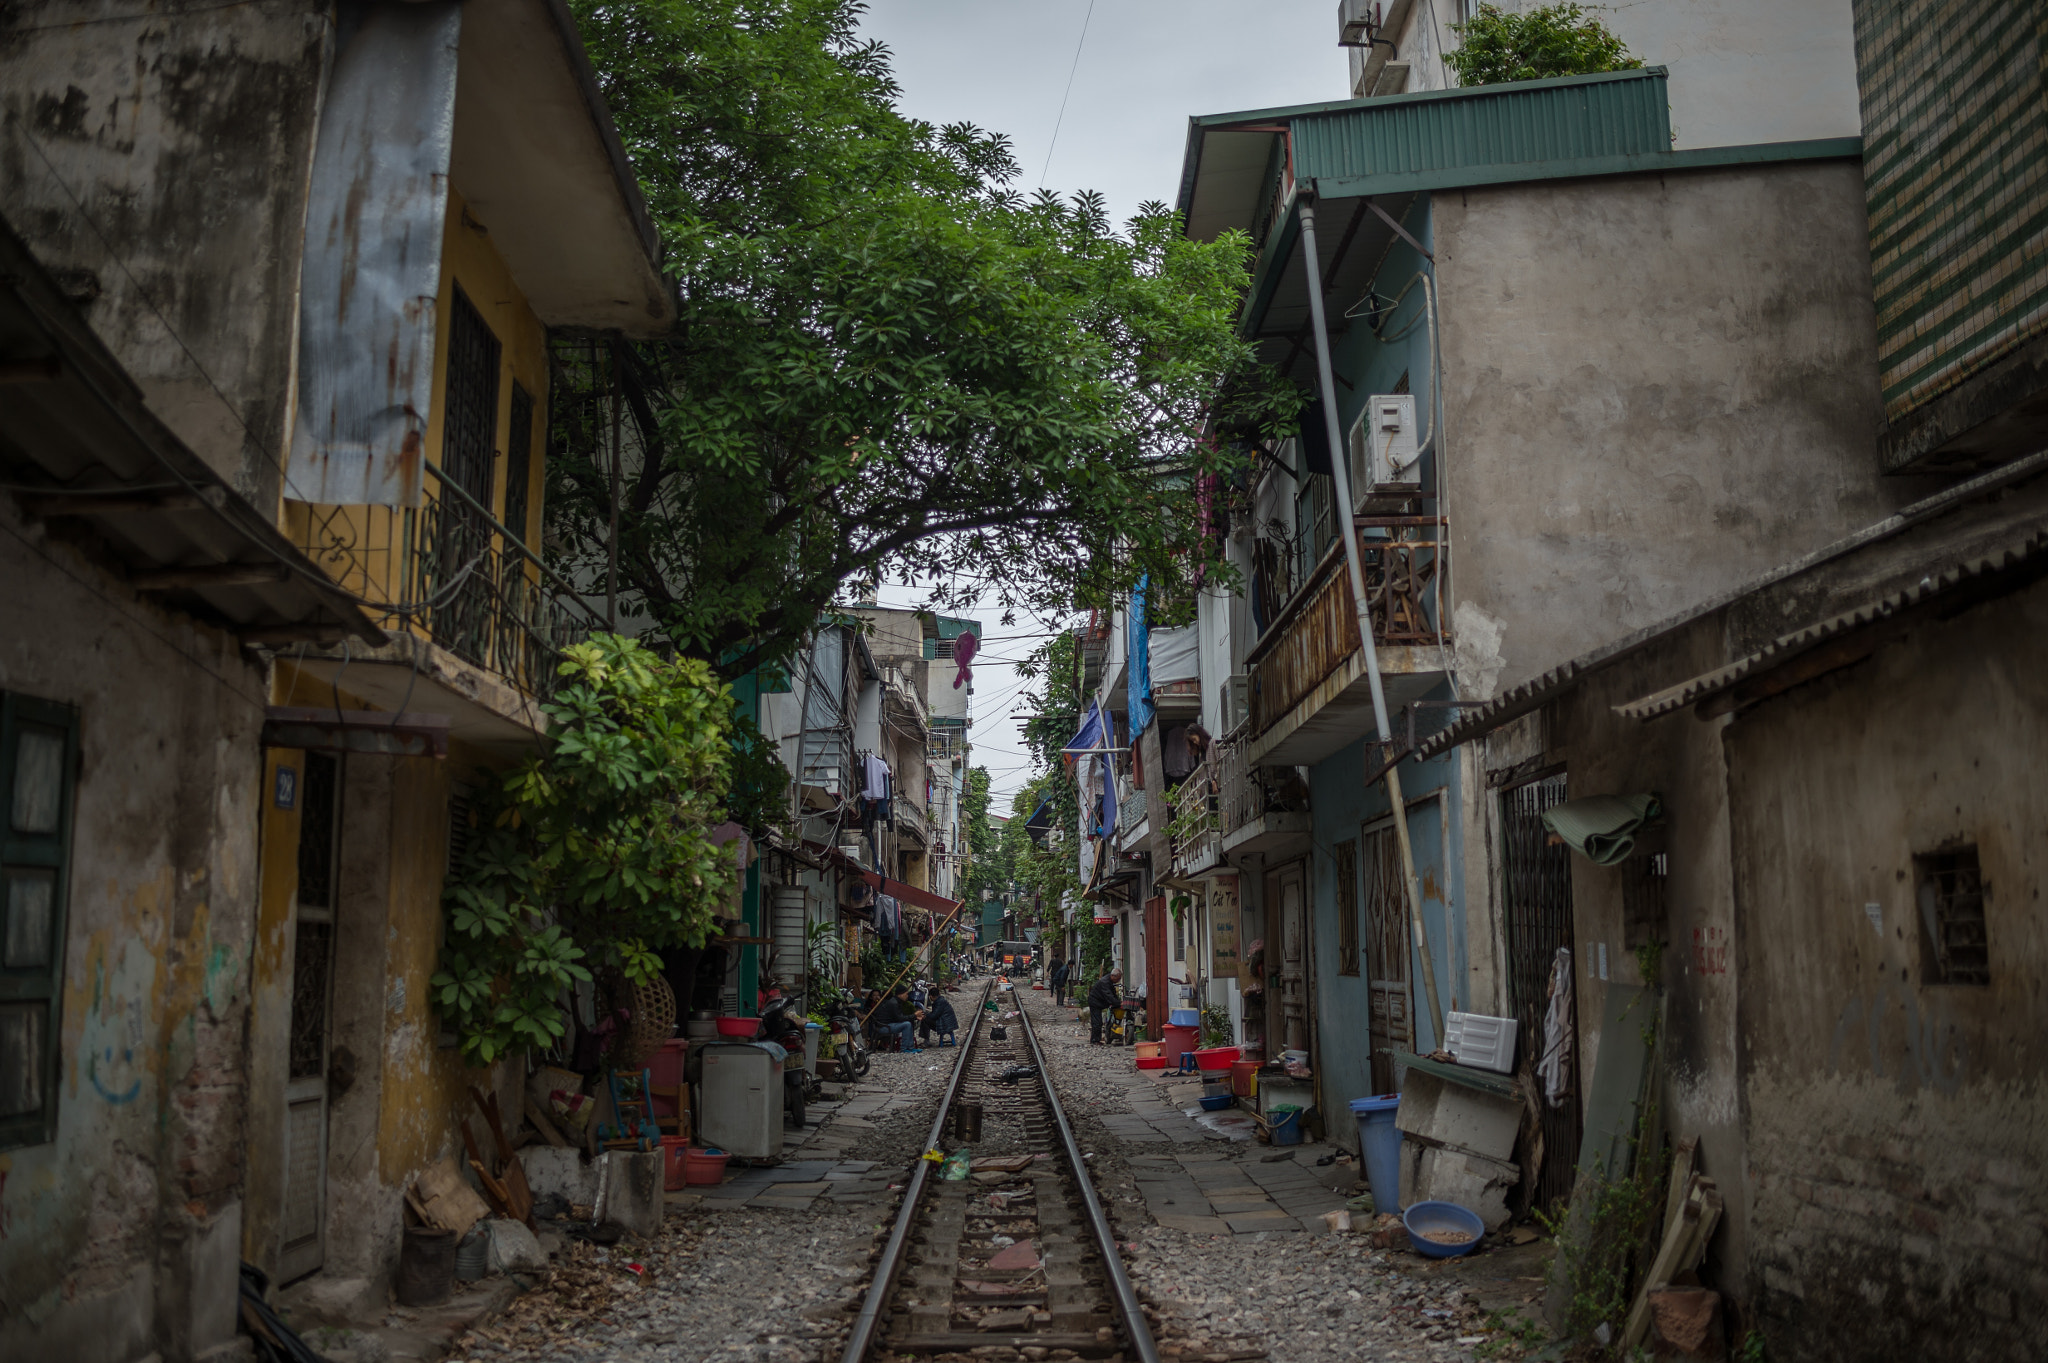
(874, 778)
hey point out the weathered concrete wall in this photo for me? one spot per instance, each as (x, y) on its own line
(121, 1236)
(1656, 388)
(1897, 1129)
(1681, 761)
(157, 164)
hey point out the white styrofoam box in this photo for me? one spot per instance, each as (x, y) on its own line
(561, 1171)
(1481, 1041)
(1455, 1115)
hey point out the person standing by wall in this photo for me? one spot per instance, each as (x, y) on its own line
(1103, 995)
(1059, 981)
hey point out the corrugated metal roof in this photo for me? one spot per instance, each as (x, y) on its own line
(1533, 694)
(80, 442)
(1787, 647)
(1617, 113)
(1956, 171)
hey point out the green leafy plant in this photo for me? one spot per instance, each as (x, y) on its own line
(1497, 45)
(1511, 1335)
(593, 852)
(1752, 1349)
(888, 361)
(1216, 1026)
(1603, 1235)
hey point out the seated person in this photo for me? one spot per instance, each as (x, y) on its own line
(894, 1019)
(939, 1018)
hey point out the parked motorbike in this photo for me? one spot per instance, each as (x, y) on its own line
(849, 1040)
(782, 1024)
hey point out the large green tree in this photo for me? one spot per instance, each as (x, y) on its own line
(888, 363)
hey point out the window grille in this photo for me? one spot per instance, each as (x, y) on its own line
(38, 768)
(469, 434)
(519, 464)
(1954, 946)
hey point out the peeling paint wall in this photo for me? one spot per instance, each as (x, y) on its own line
(114, 1237)
(156, 160)
(1898, 1129)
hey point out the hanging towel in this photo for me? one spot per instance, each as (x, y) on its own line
(1555, 1068)
(963, 653)
(1603, 828)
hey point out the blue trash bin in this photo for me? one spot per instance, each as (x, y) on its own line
(1379, 1143)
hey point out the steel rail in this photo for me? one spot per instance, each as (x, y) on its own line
(891, 1263)
(1142, 1344)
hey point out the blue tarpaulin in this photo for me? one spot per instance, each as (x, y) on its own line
(1138, 675)
(1096, 732)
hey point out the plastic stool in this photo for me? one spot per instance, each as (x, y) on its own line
(1187, 1063)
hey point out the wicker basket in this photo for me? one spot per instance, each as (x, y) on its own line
(653, 1021)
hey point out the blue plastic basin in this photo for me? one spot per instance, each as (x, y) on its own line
(1216, 1102)
(1442, 1216)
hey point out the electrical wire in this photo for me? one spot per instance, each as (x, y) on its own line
(1062, 118)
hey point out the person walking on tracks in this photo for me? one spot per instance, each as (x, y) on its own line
(1105, 994)
(1059, 981)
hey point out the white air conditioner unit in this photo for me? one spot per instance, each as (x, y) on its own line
(1385, 462)
(1355, 21)
(1237, 700)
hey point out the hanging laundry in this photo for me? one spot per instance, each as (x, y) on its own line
(1555, 1068)
(874, 784)
(963, 653)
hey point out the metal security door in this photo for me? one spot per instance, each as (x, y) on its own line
(304, 1246)
(1294, 1029)
(1387, 953)
(1537, 898)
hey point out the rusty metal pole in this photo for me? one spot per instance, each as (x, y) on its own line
(1340, 467)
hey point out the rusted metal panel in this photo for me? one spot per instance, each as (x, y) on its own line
(1319, 633)
(371, 270)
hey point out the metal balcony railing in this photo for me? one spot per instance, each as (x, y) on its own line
(1246, 794)
(451, 571)
(1195, 836)
(1317, 632)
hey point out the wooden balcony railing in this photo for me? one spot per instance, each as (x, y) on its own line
(1317, 632)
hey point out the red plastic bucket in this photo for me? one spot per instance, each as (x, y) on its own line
(1216, 1058)
(1179, 1040)
(702, 1167)
(675, 1151)
(1241, 1072)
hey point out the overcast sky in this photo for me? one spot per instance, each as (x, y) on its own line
(1145, 68)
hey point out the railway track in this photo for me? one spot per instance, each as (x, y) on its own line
(1019, 1259)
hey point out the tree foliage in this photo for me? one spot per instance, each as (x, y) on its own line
(594, 851)
(1497, 45)
(888, 362)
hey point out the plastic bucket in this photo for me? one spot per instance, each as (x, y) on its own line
(1217, 1057)
(666, 1067)
(1184, 1017)
(1379, 1143)
(1148, 1050)
(1284, 1122)
(674, 1151)
(1244, 1081)
(1151, 1062)
(1179, 1040)
(702, 1167)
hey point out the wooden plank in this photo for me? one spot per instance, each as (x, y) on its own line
(961, 1341)
(542, 1123)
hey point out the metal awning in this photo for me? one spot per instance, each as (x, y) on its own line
(79, 444)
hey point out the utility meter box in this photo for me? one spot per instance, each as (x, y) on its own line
(1386, 463)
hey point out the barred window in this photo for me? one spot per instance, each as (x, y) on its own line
(38, 763)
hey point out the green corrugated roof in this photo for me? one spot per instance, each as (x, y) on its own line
(1437, 132)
